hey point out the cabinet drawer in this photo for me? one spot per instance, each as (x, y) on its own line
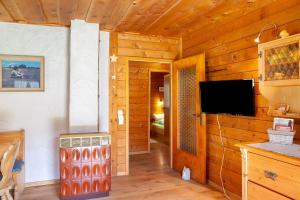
(256, 192)
(275, 175)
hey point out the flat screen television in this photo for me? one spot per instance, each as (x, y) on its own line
(234, 97)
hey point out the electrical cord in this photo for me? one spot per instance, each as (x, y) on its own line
(223, 156)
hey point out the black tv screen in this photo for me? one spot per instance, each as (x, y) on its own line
(234, 97)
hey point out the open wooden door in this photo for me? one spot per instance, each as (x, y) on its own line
(188, 123)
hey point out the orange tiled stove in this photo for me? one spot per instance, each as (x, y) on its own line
(85, 166)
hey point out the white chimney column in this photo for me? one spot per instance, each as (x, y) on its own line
(84, 76)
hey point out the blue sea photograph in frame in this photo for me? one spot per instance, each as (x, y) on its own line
(21, 73)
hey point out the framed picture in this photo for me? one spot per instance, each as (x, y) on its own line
(21, 73)
(283, 124)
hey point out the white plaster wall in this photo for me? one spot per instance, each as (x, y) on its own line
(84, 44)
(104, 82)
(43, 115)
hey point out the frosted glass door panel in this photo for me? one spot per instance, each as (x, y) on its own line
(187, 86)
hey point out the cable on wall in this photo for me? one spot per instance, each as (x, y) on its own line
(223, 157)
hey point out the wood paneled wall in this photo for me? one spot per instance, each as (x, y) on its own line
(139, 103)
(131, 47)
(157, 80)
(232, 54)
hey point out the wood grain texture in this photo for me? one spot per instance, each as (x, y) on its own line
(181, 157)
(151, 178)
(12, 137)
(139, 100)
(257, 191)
(232, 54)
(151, 17)
(141, 48)
(287, 174)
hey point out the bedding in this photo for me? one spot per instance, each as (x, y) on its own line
(157, 128)
(158, 117)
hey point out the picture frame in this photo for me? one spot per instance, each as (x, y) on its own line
(283, 124)
(22, 73)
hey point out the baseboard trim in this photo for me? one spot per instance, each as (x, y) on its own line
(41, 183)
(233, 196)
(139, 152)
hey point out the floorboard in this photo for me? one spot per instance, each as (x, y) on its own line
(150, 178)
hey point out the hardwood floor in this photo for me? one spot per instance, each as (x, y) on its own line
(150, 179)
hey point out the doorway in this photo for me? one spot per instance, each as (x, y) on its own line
(149, 139)
(159, 107)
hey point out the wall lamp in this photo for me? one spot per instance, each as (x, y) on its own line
(266, 27)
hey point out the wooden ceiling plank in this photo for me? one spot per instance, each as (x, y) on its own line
(122, 18)
(32, 11)
(243, 37)
(13, 10)
(241, 21)
(224, 14)
(114, 10)
(144, 13)
(83, 8)
(67, 10)
(191, 15)
(176, 4)
(130, 20)
(50, 8)
(4, 14)
(97, 10)
(184, 13)
(108, 13)
(186, 18)
(120, 12)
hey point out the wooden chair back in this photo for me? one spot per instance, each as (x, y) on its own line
(7, 164)
(13, 137)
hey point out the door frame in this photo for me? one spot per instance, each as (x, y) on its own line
(149, 103)
(155, 60)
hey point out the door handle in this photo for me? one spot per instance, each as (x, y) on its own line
(270, 175)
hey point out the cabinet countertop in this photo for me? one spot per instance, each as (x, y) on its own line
(288, 153)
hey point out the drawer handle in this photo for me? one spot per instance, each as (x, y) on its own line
(270, 175)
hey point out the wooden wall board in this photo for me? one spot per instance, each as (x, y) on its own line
(139, 100)
(231, 53)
